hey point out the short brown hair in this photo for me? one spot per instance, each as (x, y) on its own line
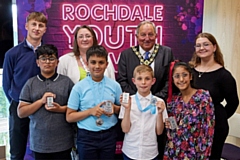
(75, 44)
(38, 16)
(142, 68)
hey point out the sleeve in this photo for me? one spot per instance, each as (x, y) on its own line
(164, 113)
(122, 74)
(74, 99)
(25, 95)
(110, 72)
(8, 70)
(61, 68)
(163, 93)
(206, 129)
(229, 90)
(171, 105)
(70, 84)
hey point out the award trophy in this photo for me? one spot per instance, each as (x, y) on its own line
(49, 101)
(172, 122)
(125, 98)
(107, 107)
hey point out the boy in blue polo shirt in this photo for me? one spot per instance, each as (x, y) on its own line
(44, 100)
(93, 104)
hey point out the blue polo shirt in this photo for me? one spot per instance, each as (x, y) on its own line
(87, 94)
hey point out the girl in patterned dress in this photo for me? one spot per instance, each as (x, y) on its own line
(191, 128)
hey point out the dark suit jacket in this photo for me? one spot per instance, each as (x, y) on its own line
(127, 63)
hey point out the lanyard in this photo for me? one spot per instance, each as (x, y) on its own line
(96, 90)
(150, 107)
(84, 66)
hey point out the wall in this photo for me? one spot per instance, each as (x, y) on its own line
(222, 19)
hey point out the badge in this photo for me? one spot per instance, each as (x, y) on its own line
(153, 101)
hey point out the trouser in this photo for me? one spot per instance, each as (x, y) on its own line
(96, 145)
(18, 133)
(162, 140)
(63, 155)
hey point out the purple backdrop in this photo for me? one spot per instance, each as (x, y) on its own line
(114, 21)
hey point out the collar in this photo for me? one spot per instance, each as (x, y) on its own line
(148, 97)
(94, 82)
(31, 46)
(53, 78)
(142, 52)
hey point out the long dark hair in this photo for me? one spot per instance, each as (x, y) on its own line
(173, 90)
(187, 68)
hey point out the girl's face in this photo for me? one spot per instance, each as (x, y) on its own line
(204, 48)
(182, 78)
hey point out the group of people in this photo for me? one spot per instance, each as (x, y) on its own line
(48, 96)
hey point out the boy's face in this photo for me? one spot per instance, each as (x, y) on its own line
(97, 66)
(47, 64)
(143, 82)
(35, 29)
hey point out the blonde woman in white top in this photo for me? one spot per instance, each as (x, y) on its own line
(74, 64)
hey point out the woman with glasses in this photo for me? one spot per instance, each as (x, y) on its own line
(210, 74)
(190, 126)
(74, 64)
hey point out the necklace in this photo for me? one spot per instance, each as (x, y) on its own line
(201, 73)
(152, 57)
(83, 64)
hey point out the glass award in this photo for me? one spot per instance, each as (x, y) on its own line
(50, 101)
(172, 122)
(125, 98)
(107, 107)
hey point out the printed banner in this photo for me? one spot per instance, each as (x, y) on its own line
(114, 21)
(177, 22)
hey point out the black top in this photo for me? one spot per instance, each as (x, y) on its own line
(222, 86)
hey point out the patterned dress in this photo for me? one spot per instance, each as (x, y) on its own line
(194, 136)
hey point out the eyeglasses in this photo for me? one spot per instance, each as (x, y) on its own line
(204, 45)
(84, 36)
(50, 59)
(183, 75)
